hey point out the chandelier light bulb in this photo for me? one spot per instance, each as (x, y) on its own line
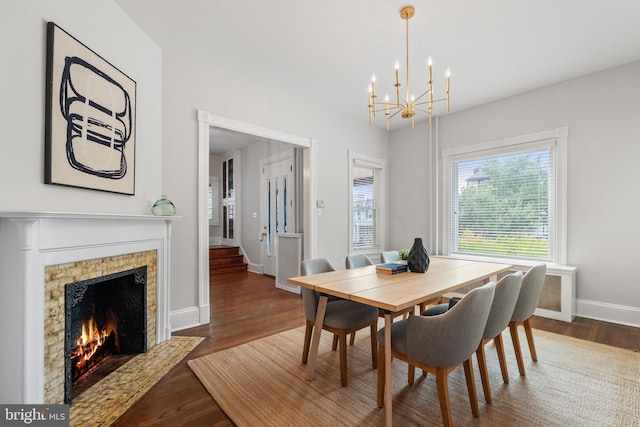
(396, 66)
(373, 78)
(429, 62)
(448, 73)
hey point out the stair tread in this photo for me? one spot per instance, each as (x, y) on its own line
(226, 259)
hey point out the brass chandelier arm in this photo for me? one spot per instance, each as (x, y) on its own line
(394, 114)
(421, 95)
(434, 101)
(379, 108)
(424, 111)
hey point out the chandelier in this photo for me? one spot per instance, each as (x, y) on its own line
(408, 104)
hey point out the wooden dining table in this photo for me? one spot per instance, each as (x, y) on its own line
(392, 293)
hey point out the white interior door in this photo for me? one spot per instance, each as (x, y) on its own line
(277, 193)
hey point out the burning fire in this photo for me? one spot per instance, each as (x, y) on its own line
(89, 342)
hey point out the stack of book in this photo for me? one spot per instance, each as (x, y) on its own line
(391, 268)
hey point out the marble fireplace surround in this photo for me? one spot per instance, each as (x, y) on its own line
(30, 242)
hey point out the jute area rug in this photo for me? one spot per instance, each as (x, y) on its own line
(108, 399)
(574, 383)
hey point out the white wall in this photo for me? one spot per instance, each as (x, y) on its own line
(602, 113)
(203, 83)
(410, 195)
(108, 31)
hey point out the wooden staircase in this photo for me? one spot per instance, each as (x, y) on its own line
(225, 259)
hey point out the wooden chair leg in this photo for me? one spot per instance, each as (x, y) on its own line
(380, 394)
(307, 342)
(443, 396)
(343, 358)
(484, 373)
(334, 345)
(374, 344)
(353, 338)
(513, 328)
(501, 357)
(532, 346)
(471, 387)
(411, 373)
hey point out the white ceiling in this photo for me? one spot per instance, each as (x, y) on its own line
(222, 141)
(328, 49)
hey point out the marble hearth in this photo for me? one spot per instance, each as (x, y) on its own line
(39, 252)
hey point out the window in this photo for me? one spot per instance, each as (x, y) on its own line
(212, 201)
(228, 200)
(504, 198)
(366, 193)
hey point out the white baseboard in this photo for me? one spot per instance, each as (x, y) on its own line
(287, 287)
(614, 313)
(186, 318)
(255, 268)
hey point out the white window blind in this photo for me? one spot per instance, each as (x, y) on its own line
(503, 204)
(366, 183)
(364, 207)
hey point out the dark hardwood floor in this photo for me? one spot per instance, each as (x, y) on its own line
(247, 306)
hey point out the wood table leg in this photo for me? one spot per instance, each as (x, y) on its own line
(315, 340)
(387, 368)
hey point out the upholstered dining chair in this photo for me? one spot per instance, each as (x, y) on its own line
(504, 301)
(355, 261)
(532, 283)
(322, 265)
(342, 317)
(439, 344)
(389, 256)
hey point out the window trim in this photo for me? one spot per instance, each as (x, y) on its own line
(362, 160)
(557, 137)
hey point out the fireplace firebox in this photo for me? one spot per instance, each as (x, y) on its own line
(104, 317)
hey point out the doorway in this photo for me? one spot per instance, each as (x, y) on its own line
(307, 224)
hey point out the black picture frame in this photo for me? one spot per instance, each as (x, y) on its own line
(90, 118)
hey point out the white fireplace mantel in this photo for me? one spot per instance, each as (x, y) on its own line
(31, 241)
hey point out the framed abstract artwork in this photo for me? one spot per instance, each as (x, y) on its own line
(90, 118)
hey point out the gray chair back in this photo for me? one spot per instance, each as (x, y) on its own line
(504, 302)
(355, 261)
(310, 297)
(451, 338)
(315, 266)
(389, 256)
(530, 291)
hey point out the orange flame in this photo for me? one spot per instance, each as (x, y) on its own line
(90, 340)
